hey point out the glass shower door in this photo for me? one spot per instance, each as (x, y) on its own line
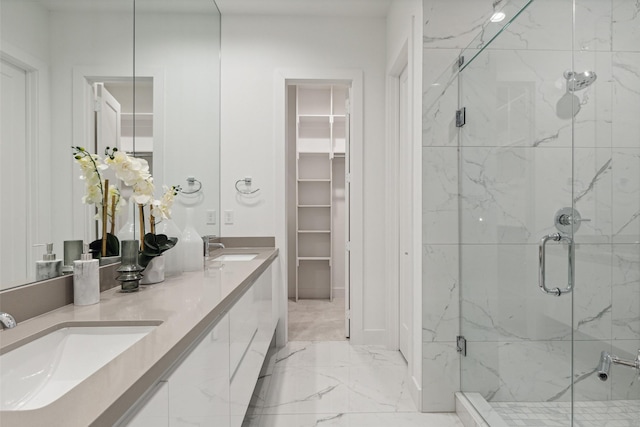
(516, 174)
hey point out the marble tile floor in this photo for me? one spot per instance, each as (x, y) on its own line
(616, 413)
(316, 320)
(336, 384)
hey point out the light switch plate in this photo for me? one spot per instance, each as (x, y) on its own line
(228, 217)
(211, 217)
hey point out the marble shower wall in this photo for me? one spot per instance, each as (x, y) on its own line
(490, 195)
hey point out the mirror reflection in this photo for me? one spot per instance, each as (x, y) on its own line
(74, 73)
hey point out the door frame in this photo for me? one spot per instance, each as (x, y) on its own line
(38, 127)
(393, 199)
(354, 78)
(404, 175)
(407, 54)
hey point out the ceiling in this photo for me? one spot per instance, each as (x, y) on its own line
(363, 8)
(368, 8)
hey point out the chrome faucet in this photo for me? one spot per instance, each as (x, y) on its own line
(208, 244)
(7, 320)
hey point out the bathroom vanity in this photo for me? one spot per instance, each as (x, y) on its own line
(198, 364)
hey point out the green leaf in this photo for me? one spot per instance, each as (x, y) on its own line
(113, 246)
(144, 259)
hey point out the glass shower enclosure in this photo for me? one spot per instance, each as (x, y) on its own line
(548, 214)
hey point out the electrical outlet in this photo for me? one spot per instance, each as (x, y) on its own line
(228, 217)
(211, 217)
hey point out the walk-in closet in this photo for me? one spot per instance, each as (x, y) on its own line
(316, 195)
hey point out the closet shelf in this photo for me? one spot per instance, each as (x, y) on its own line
(320, 134)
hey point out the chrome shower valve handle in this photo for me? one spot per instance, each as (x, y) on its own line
(556, 237)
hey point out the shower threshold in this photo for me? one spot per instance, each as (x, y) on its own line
(619, 413)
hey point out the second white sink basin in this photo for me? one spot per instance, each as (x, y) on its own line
(39, 372)
(235, 257)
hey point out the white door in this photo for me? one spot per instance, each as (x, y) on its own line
(404, 214)
(108, 112)
(347, 219)
(108, 132)
(14, 173)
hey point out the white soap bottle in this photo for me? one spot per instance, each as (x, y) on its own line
(49, 267)
(86, 279)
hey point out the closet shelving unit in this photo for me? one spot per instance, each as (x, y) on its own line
(320, 138)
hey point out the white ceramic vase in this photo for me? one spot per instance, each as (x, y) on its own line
(154, 273)
(193, 246)
(173, 258)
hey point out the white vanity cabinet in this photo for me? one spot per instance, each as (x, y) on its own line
(196, 392)
(251, 329)
(212, 385)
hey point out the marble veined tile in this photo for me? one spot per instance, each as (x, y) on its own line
(511, 99)
(508, 195)
(334, 354)
(441, 293)
(470, 16)
(542, 25)
(360, 420)
(440, 376)
(625, 384)
(518, 371)
(626, 97)
(501, 300)
(440, 102)
(625, 190)
(592, 177)
(335, 390)
(626, 25)
(626, 292)
(440, 195)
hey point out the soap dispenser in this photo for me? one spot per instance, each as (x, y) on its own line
(49, 267)
(86, 279)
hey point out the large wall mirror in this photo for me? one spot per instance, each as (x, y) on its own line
(140, 74)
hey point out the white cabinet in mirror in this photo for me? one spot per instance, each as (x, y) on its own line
(72, 76)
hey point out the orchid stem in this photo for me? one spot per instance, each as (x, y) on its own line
(105, 207)
(113, 215)
(141, 210)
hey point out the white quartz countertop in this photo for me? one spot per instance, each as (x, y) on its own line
(185, 305)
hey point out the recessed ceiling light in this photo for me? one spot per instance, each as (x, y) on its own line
(498, 16)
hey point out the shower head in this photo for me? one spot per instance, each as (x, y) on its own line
(579, 81)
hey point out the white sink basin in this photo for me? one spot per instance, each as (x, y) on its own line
(39, 372)
(235, 257)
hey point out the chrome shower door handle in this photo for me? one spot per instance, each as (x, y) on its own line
(556, 237)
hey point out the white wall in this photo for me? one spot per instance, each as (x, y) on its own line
(253, 48)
